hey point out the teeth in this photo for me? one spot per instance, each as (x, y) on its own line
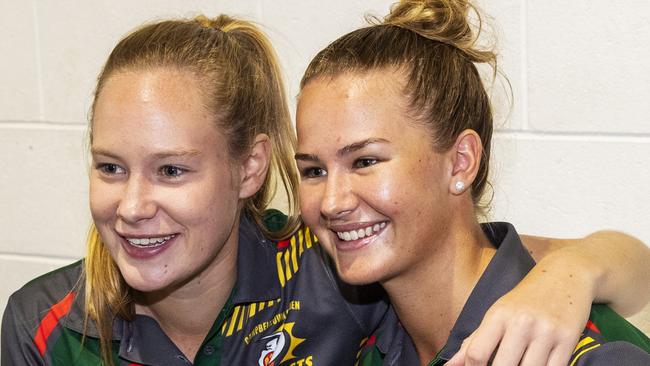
(360, 233)
(149, 242)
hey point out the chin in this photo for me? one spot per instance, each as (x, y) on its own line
(142, 281)
(358, 274)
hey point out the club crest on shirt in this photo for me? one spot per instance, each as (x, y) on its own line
(278, 347)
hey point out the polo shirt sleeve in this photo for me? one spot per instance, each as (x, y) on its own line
(18, 347)
(612, 353)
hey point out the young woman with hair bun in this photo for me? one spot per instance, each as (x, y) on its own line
(185, 264)
(394, 132)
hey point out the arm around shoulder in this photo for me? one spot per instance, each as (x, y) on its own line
(613, 265)
(550, 307)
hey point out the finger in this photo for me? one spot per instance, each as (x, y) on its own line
(459, 358)
(484, 341)
(538, 352)
(561, 354)
(512, 347)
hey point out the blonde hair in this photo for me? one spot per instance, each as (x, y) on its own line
(242, 87)
(433, 45)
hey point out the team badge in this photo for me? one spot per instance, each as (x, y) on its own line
(278, 347)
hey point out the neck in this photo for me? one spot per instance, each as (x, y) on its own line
(187, 312)
(429, 298)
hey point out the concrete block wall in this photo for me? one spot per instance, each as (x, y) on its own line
(571, 157)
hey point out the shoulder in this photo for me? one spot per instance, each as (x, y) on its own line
(33, 313)
(33, 300)
(609, 339)
(595, 353)
(613, 327)
(293, 251)
(303, 263)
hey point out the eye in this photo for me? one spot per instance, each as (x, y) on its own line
(110, 169)
(365, 162)
(313, 172)
(171, 171)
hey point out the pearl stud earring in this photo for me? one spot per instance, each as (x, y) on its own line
(460, 186)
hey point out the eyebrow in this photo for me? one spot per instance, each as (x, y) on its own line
(355, 146)
(160, 155)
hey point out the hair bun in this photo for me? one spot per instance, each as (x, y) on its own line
(445, 21)
(222, 22)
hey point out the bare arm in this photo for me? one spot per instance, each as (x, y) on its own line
(540, 320)
(614, 265)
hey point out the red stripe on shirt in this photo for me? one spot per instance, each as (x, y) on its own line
(371, 341)
(283, 244)
(593, 327)
(51, 319)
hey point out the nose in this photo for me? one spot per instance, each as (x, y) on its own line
(136, 203)
(339, 197)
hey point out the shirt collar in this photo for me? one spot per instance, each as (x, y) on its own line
(507, 268)
(142, 339)
(75, 319)
(256, 265)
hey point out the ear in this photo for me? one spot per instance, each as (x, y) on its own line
(466, 156)
(255, 166)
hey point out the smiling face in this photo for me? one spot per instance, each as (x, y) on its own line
(164, 192)
(373, 188)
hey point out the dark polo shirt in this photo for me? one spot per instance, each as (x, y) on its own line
(608, 339)
(287, 308)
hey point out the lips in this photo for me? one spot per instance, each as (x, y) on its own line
(149, 242)
(360, 233)
(146, 247)
(358, 236)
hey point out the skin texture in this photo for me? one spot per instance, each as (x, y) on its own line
(346, 149)
(156, 170)
(160, 168)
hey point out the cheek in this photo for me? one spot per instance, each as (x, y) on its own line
(310, 202)
(387, 192)
(103, 199)
(205, 201)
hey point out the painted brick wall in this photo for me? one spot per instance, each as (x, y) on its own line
(571, 157)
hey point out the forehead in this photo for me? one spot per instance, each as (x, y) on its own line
(353, 103)
(161, 106)
(363, 87)
(178, 88)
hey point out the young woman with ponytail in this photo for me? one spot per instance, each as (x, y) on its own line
(189, 132)
(394, 131)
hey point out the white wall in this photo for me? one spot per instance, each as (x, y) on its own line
(572, 157)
